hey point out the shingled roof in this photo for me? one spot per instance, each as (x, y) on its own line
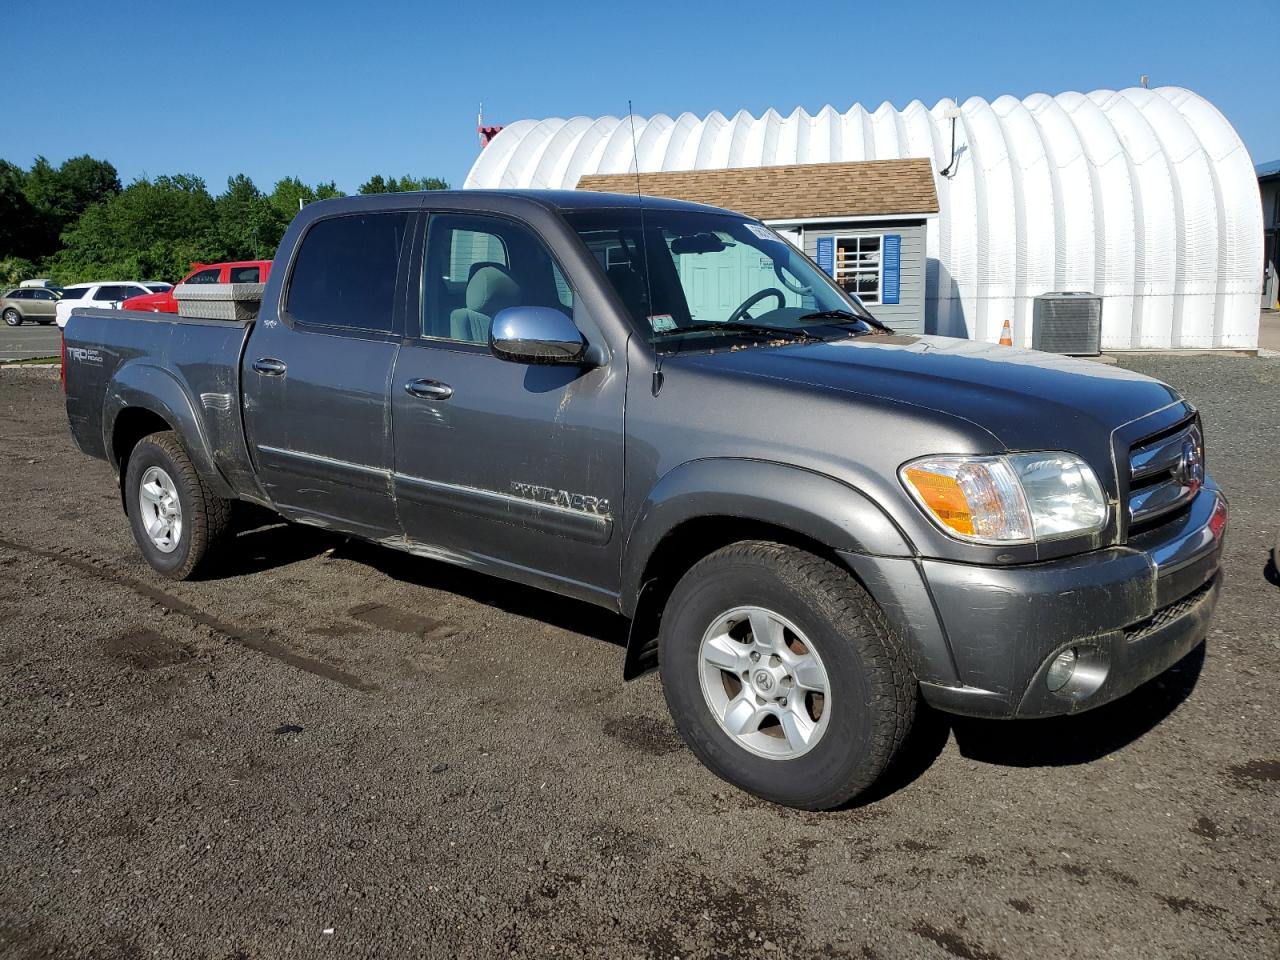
(797, 191)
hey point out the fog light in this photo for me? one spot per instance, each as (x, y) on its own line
(1061, 670)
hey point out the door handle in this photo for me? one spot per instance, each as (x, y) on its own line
(428, 389)
(270, 367)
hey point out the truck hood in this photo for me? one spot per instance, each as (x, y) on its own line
(1025, 399)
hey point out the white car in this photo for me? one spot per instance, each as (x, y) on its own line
(103, 294)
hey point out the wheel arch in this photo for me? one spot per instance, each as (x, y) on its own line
(143, 399)
(707, 504)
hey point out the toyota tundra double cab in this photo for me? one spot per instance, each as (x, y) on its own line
(813, 523)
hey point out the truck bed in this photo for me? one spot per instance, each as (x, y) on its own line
(182, 369)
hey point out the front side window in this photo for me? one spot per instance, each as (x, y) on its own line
(345, 272)
(476, 266)
(208, 275)
(42, 295)
(687, 278)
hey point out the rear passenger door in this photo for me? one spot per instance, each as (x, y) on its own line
(42, 302)
(509, 467)
(316, 382)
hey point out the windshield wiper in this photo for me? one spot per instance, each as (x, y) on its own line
(847, 316)
(760, 329)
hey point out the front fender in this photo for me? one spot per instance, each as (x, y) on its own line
(817, 506)
(139, 384)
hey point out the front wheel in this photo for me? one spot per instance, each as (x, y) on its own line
(175, 519)
(13, 318)
(782, 676)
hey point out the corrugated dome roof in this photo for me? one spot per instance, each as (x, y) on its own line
(1147, 197)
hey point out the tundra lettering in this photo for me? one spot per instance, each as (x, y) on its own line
(561, 498)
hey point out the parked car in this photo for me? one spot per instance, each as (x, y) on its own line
(813, 523)
(103, 294)
(239, 271)
(21, 304)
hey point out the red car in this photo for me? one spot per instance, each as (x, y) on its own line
(241, 271)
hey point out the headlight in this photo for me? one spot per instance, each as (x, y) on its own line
(1016, 498)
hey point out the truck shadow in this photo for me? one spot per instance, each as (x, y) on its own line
(1085, 737)
(550, 608)
(1052, 742)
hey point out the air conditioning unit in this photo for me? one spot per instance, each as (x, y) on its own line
(1069, 323)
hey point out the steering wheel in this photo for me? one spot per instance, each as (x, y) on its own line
(755, 298)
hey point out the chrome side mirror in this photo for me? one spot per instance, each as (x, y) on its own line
(535, 335)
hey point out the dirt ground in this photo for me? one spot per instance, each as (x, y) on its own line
(330, 749)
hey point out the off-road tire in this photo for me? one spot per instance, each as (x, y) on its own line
(873, 688)
(205, 517)
(12, 318)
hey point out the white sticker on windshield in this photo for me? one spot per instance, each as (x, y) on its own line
(759, 232)
(662, 322)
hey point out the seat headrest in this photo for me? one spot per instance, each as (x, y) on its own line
(483, 263)
(490, 289)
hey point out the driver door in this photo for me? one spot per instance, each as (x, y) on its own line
(510, 467)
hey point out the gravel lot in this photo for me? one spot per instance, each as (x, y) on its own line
(330, 749)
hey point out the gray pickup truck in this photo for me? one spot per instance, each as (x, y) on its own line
(813, 523)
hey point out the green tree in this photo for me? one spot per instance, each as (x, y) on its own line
(17, 215)
(290, 194)
(13, 270)
(153, 229)
(59, 195)
(249, 227)
(378, 184)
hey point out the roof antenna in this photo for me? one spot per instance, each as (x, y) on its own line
(644, 241)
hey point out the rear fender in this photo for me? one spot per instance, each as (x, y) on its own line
(143, 385)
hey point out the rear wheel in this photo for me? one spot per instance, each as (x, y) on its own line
(782, 676)
(176, 521)
(12, 317)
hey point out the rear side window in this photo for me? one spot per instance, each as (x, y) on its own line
(345, 272)
(246, 274)
(113, 293)
(204, 276)
(74, 293)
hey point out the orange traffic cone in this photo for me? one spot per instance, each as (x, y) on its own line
(1006, 335)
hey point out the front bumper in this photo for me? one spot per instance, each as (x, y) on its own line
(1130, 613)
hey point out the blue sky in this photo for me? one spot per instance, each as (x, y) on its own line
(324, 90)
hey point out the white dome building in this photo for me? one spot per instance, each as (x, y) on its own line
(1145, 197)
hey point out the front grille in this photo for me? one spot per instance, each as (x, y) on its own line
(1166, 471)
(1166, 615)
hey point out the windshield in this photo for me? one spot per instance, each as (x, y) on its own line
(701, 277)
(74, 293)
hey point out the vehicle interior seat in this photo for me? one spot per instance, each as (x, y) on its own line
(490, 289)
